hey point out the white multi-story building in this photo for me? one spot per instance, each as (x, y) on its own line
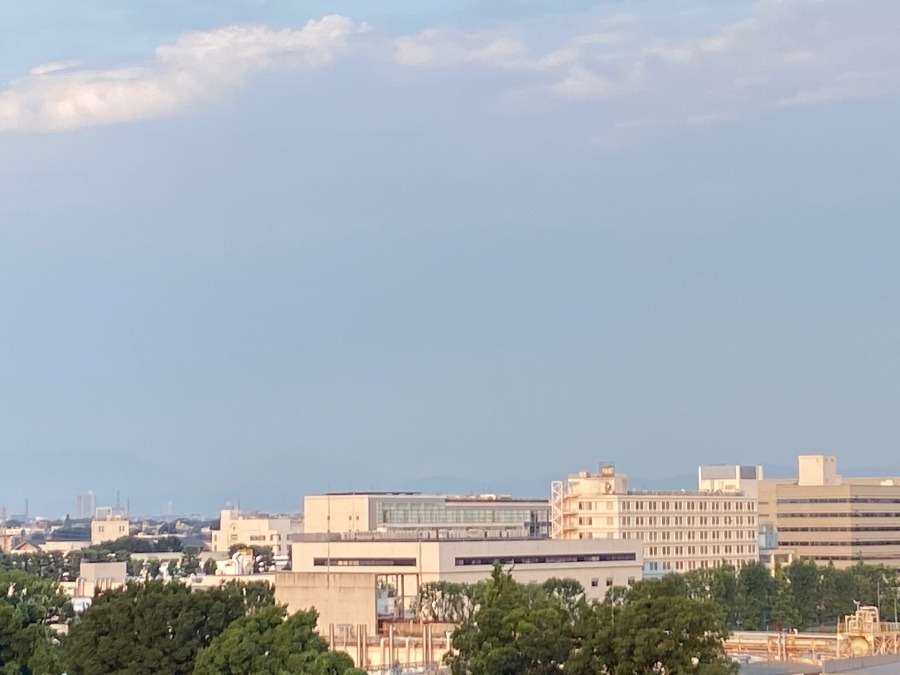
(255, 530)
(680, 530)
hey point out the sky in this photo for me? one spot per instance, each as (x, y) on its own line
(252, 249)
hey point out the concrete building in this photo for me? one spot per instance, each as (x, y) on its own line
(421, 515)
(255, 530)
(108, 526)
(365, 581)
(730, 478)
(830, 519)
(680, 530)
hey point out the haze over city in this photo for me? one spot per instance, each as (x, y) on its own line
(255, 250)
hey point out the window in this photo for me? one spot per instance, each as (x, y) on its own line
(595, 583)
(609, 582)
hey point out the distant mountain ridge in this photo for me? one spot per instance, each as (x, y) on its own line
(535, 488)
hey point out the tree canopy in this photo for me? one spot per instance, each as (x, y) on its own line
(551, 629)
(156, 627)
(267, 643)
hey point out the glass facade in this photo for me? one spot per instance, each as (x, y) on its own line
(534, 520)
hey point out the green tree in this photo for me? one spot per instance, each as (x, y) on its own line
(805, 590)
(656, 628)
(154, 568)
(190, 560)
(445, 601)
(209, 566)
(265, 643)
(156, 627)
(758, 589)
(28, 606)
(514, 631)
(263, 559)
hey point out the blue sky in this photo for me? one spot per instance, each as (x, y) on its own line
(256, 249)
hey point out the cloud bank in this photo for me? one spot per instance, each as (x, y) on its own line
(782, 54)
(198, 67)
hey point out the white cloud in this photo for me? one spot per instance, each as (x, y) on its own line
(802, 52)
(447, 47)
(196, 68)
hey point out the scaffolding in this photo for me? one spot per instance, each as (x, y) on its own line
(557, 509)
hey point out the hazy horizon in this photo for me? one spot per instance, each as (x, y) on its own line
(255, 249)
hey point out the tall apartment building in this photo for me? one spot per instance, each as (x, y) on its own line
(255, 530)
(427, 516)
(826, 518)
(680, 530)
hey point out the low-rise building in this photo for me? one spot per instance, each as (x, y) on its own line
(255, 530)
(680, 530)
(363, 581)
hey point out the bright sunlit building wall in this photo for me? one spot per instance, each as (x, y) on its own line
(680, 530)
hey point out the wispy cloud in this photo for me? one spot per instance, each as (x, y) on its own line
(801, 52)
(198, 67)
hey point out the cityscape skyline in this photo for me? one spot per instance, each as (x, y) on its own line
(434, 485)
(255, 250)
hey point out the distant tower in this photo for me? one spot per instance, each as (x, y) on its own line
(85, 505)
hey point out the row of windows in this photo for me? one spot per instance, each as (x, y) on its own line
(546, 559)
(684, 565)
(852, 542)
(364, 562)
(857, 528)
(702, 535)
(843, 514)
(840, 500)
(686, 520)
(431, 513)
(639, 505)
(737, 549)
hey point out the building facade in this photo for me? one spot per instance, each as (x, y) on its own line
(364, 581)
(680, 530)
(255, 530)
(110, 527)
(826, 518)
(415, 514)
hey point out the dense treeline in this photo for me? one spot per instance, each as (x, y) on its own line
(44, 564)
(551, 629)
(801, 595)
(155, 627)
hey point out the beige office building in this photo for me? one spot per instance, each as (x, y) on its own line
(427, 516)
(365, 581)
(830, 519)
(108, 526)
(680, 530)
(255, 530)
